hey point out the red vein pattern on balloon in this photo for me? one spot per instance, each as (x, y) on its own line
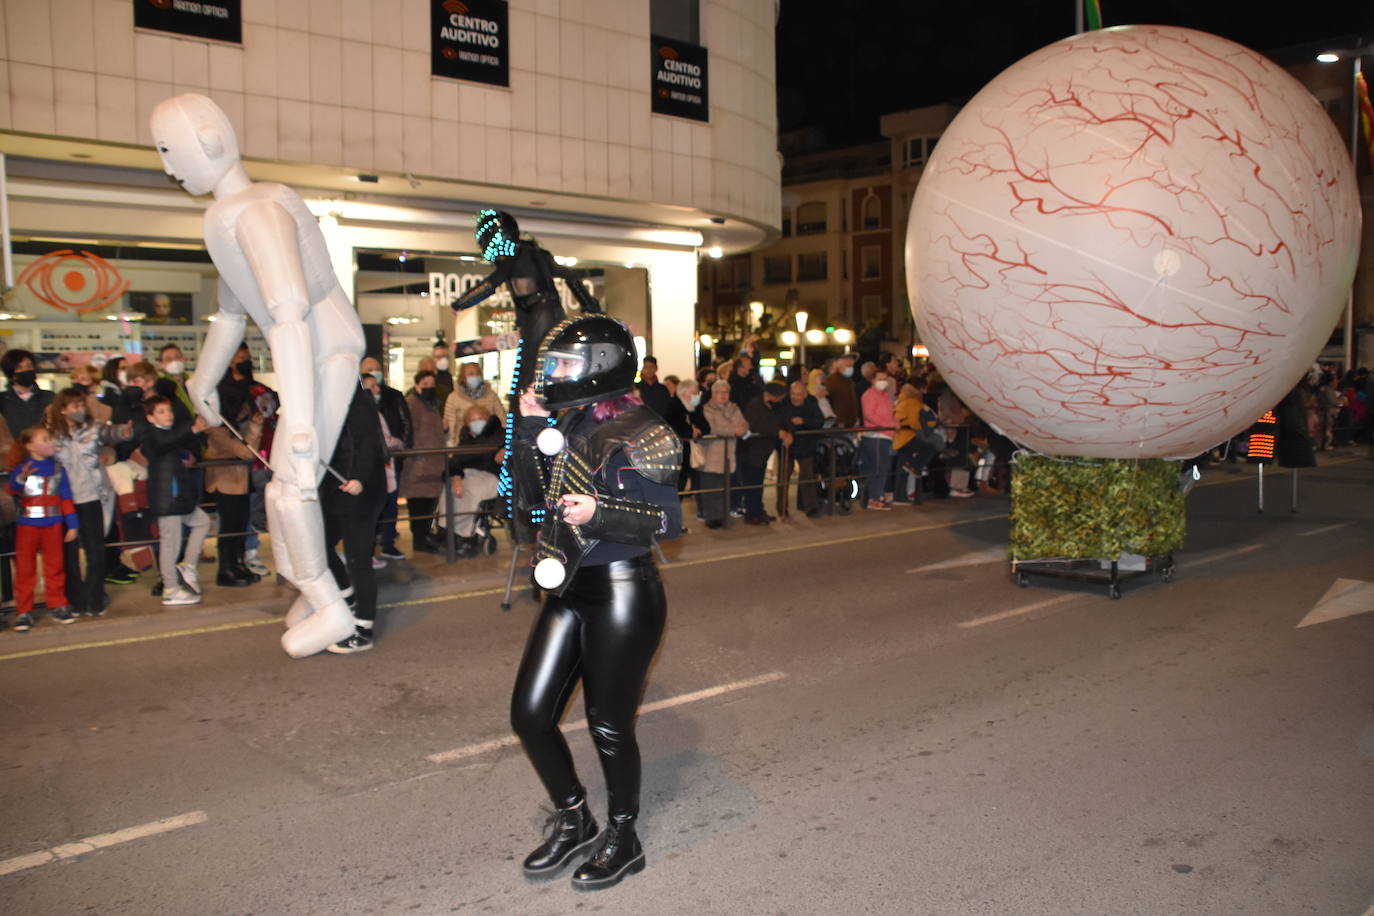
(1174, 145)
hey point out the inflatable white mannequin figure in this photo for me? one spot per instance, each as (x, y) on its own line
(273, 267)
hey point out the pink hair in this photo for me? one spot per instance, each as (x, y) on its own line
(614, 407)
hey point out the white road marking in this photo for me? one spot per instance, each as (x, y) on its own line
(1016, 611)
(972, 558)
(1308, 534)
(101, 841)
(474, 750)
(1224, 555)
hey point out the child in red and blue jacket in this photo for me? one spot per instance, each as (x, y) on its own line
(47, 517)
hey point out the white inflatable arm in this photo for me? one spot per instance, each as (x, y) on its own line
(270, 242)
(221, 342)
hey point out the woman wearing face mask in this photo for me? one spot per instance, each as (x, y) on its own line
(422, 477)
(471, 390)
(879, 406)
(79, 440)
(22, 404)
(474, 475)
(684, 417)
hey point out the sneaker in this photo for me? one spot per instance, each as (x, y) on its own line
(961, 494)
(879, 505)
(391, 553)
(378, 563)
(253, 561)
(100, 611)
(189, 577)
(63, 615)
(737, 513)
(156, 590)
(360, 641)
(23, 623)
(178, 596)
(123, 575)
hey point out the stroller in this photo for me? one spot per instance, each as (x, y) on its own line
(842, 451)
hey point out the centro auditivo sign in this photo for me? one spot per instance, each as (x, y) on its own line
(468, 40)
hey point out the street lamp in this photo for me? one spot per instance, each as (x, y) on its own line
(844, 337)
(1331, 57)
(801, 329)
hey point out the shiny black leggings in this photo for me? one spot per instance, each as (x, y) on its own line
(605, 629)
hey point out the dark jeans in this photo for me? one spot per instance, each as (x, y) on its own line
(86, 591)
(232, 509)
(386, 521)
(603, 630)
(806, 481)
(420, 527)
(751, 478)
(352, 519)
(713, 507)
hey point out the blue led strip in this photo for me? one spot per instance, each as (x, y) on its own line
(499, 246)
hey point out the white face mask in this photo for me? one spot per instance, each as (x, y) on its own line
(882, 384)
(476, 427)
(175, 367)
(441, 364)
(123, 377)
(377, 375)
(473, 382)
(847, 371)
(694, 400)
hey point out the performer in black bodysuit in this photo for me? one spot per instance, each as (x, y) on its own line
(528, 271)
(603, 622)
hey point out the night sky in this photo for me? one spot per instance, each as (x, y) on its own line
(843, 64)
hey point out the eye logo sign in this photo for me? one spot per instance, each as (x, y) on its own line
(667, 53)
(456, 7)
(74, 282)
(161, 4)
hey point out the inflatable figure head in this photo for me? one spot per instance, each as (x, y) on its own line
(1132, 243)
(585, 360)
(195, 140)
(497, 232)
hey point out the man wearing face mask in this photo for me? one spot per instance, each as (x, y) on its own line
(879, 406)
(391, 404)
(422, 478)
(844, 400)
(801, 412)
(443, 371)
(474, 475)
(23, 402)
(766, 431)
(685, 418)
(172, 382)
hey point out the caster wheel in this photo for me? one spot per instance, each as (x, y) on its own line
(1167, 574)
(1021, 580)
(489, 545)
(1114, 592)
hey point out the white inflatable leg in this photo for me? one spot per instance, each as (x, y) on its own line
(299, 539)
(300, 609)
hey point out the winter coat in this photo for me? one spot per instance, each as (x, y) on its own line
(20, 414)
(803, 446)
(843, 400)
(879, 410)
(231, 480)
(173, 488)
(764, 425)
(423, 475)
(457, 404)
(722, 420)
(79, 454)
(493, 436)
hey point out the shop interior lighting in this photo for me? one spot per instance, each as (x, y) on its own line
(1327, 57)
(714, 251)
(802, 315)
(126, 316)
(707, 341)
(403, 319)
(403, 257)
(566, 262)
(15, 316)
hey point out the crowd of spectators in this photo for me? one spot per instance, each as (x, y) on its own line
(118, 454)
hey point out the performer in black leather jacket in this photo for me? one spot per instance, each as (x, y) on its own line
(603, 622)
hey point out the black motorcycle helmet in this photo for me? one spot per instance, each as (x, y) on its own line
(584, 360)
(497, 232)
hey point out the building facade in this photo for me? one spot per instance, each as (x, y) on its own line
(343, 100)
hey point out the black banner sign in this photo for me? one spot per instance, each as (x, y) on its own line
(217, 19)
(469, 40)
(680, 85)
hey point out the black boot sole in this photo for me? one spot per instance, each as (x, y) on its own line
(633, 867)
(549, 872)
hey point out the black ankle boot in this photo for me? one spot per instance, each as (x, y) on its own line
(571, 831)
(619, 855)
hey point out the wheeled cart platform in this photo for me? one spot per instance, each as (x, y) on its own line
(1107, 572)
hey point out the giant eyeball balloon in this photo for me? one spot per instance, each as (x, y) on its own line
(1132, 243)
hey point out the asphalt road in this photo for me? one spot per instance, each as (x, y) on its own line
(829, 732)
